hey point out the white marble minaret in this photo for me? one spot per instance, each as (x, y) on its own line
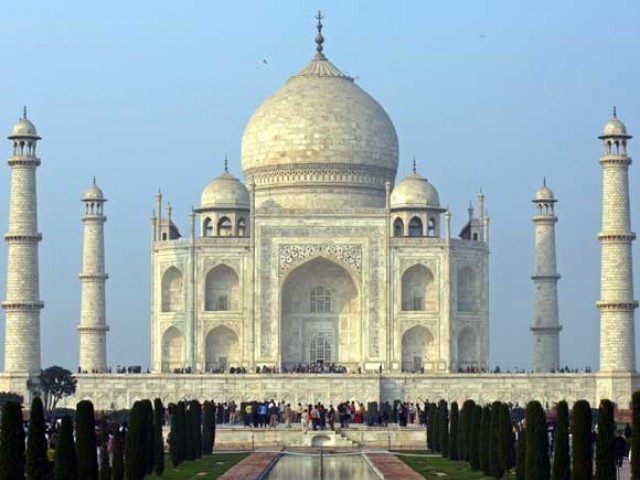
(546, 327)
(616, 305)
(23, 305)
(93, 324)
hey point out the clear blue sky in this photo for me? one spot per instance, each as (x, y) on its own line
(154, 94)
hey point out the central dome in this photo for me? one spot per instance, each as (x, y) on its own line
(320, 141)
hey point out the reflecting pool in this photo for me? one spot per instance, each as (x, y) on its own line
(334, 467)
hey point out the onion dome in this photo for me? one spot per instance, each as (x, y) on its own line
(614, 127)
(93, 194)
(414, 191)
(544, 194)
(225, 191)
(320, 140)
(24, 128)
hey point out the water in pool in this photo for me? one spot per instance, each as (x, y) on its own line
(334, 467)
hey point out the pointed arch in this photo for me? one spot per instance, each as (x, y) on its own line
(432, 227)
(468, 290)
(172, 290)
(467, 347)
(222, 289)
(418, 349)
(418, 290)
(171, 349)
(221, 349)
(398, 227)
(415, 227)
(320, 314)
(207, 227)
(241, 229)
(225, 227)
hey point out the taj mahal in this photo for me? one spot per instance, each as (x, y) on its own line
(321, 256)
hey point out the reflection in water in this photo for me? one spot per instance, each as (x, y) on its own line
(334, 467)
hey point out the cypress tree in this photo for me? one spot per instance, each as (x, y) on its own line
(11, 442)
(183, 431)
(505, 439)
(174, 436)
(462, 431)
(453, 432)
(494, 442)
(117, 470)
(483, 440)
(158, 441)
(635, 437)
(431, 427)
(197, 428)
(86, 442)
(148, 435)
(465, 424)
(135, 461)
(65, 467)
(37, 466)
(582, 465)
(437, 428)
(208, 424)
(605, 460)
(537, 465)
(189, 437)
(561, 461)
(105, 466)
(521, 455)
(444, 429)
(473, 440)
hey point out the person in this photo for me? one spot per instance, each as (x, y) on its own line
(619, 449)
(287, 415)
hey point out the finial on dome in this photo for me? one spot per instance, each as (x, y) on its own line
(24, 112)
(544, 181)
(94, 180)
(615, 113)
(319, 37)
(226, 164)
(415, 169)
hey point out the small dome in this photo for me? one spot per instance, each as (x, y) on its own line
(226, 191)
(93, 193)
(24, 128)
(414, 191)
(614, 128)
(544, 193)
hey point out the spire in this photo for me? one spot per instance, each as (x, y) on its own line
(544, 181)
(319, 37)
(615, 113)
(415, 170)
(226, 164)
(94, 180)
(24, 112)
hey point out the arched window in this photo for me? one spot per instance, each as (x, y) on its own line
(418, 290)
(415, 227)
(431, 227)
(225, 228)
(172, 290)
(320, 348)
(242, 227)
(207, 228)
(398, 228)
(320, 300)
(221, 289)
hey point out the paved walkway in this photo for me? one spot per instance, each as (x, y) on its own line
(250, 467)
(392, 467)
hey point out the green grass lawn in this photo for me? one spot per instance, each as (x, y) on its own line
(430, 467)
(213, 465)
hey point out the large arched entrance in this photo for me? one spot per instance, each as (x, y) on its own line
(171, 350)
(320, 316)
(418, 349)
(221, 349)
(467, 348)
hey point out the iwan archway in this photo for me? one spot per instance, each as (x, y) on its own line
(321, 319)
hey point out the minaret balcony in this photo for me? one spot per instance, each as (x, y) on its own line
(27, 160)
(618, 306)
(615, 159)
(616, 237)
(16, 305)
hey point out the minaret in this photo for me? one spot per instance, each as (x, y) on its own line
(23, 305)
(93, 324)
(546, 327)
(616, 305)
